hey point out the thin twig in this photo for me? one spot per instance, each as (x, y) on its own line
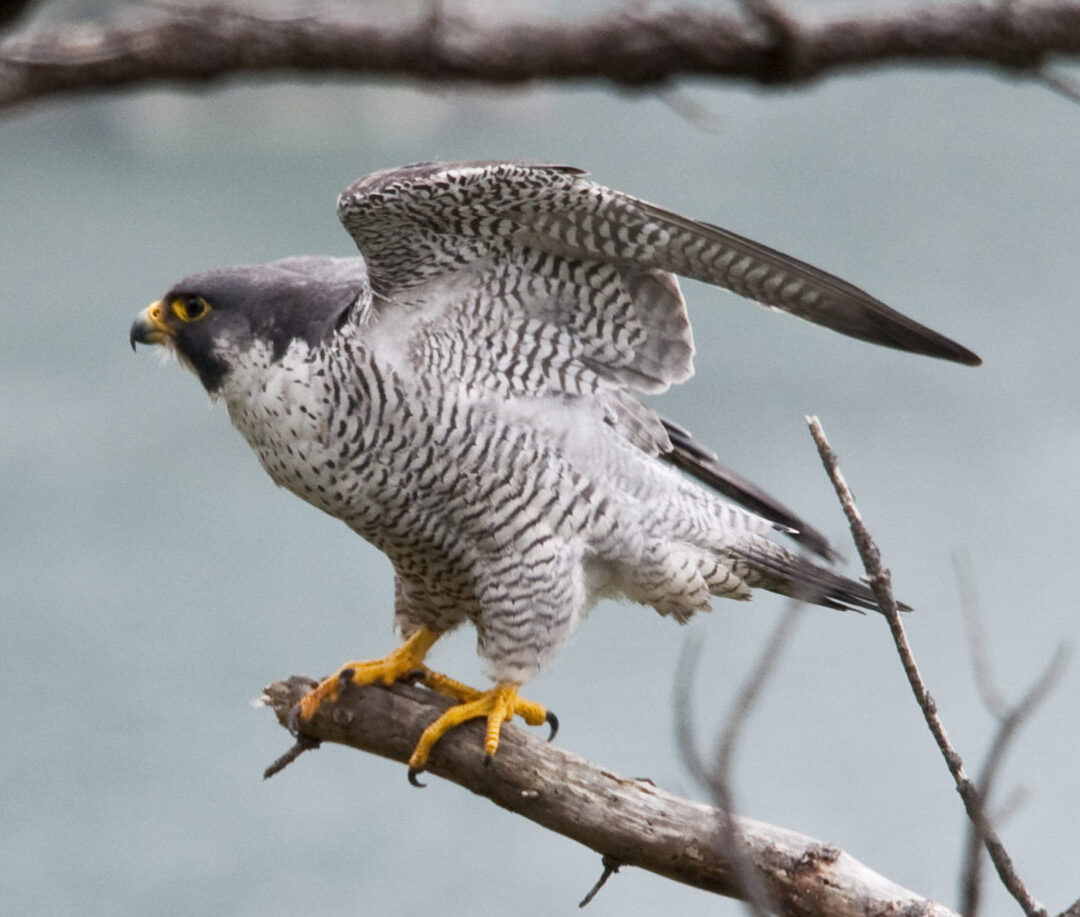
(696, 114)
(879, 579)
(1059, 82)
(754, 684)
(610, 868)
(301, 745)
(980, 658)
(1016, 798)
(1008, 725)
(1009, 720)
(757, 894)
(1072, 911)
(682, 702)
(716, 779)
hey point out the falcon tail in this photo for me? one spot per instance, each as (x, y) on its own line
(780, 571)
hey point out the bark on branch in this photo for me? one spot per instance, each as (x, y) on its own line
(631, 47)
(629, 822)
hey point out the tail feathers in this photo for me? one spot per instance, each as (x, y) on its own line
(778, 570)
(678, 579)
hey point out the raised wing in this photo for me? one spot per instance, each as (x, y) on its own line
(595, 261)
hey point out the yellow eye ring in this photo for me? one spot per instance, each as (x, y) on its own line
(190, 308)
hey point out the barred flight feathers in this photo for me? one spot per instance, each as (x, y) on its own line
(422, 220)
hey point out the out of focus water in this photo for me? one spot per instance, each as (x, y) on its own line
(152, 579)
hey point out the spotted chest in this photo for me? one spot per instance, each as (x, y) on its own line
(284, 409)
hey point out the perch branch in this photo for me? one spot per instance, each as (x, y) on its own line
(628, 47)
(629, 822)
(881, 584)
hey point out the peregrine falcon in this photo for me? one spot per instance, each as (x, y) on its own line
(465, 396)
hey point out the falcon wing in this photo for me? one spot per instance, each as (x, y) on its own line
(417, 222)
(532, 280)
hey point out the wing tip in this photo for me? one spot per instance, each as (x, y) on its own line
(941, 347)
(968, 358)
(894, 329)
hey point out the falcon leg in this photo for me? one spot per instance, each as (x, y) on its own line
(406, 660)
(498, 704)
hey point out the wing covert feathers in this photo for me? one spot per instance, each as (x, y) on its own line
(420, 221)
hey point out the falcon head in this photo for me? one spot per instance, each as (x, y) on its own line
(208, 319)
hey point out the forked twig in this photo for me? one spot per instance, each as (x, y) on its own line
(1009, 719)
(1009, 723)
(880, 582)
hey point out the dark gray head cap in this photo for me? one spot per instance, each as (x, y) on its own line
(302, 298)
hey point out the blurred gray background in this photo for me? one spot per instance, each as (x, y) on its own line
(152, 579)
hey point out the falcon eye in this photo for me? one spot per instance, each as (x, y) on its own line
(190, 308)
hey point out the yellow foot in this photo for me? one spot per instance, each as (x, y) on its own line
(497, 705)
(407, 661)
(450, 688)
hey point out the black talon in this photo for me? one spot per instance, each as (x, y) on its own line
(413, 771)
(292, 723)
(291, 720)
(553, 722)
(411, 678)
(487, 760)
(345, 677)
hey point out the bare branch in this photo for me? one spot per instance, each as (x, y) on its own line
(1009, 722)
(753, 687)
(980, 662)
(1060, 83)
(880, 582)
(631, 47)
(716, 779)
(685, 721)
(758, 899)
(631, 822)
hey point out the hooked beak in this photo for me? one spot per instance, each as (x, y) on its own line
(149, 326)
